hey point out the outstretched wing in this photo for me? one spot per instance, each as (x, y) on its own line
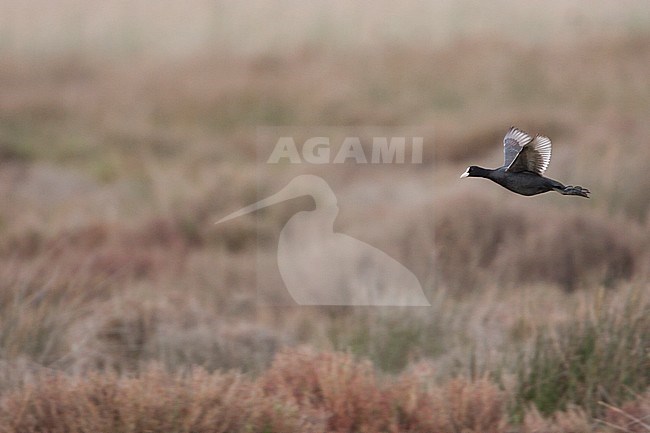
(534, 156)
(513, 143)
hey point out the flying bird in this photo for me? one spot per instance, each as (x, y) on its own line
(525, 161)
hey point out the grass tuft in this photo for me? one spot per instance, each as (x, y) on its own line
(601, 358)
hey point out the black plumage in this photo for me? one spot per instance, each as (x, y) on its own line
(525, 160)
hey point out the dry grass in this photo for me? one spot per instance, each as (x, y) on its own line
(303, 391)
(526, 244)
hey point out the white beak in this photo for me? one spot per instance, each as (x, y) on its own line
(465, 174)
(311, 185)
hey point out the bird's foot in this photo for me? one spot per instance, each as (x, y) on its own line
(575, 190)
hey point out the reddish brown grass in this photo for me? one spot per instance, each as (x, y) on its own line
(302, 391)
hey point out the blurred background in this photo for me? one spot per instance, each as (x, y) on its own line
(128, 128)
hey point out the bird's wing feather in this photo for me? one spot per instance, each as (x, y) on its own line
(513, 142)
(534, 156)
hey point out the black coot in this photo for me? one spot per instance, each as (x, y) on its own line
(525, 161)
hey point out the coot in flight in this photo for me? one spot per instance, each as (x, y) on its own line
(525, 161)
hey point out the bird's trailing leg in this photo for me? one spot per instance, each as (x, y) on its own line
(574, 190)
